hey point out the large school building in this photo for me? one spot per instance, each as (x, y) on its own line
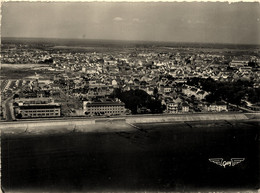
(103, 108)
(37, 107)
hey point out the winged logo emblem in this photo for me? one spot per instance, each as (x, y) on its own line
(221, 162)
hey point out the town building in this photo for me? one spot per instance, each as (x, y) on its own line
(185, 108)
(216, 107)
(36, 107)
(172, 107)
(238, 63)
(103, 108)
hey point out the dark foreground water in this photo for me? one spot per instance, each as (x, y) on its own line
(161, 157)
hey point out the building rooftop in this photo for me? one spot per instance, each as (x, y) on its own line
(41, 106)
(34, 99)
(107, 103)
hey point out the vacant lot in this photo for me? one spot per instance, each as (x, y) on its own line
(20, 71)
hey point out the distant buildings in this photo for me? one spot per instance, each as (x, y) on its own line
(238, 63)
(74, 77)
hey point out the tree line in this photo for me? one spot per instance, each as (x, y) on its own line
(136, 99)
(232, 92)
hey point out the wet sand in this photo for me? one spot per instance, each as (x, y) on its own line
(148, 157)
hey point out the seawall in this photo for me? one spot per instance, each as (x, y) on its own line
(187, 117)
(113, 124)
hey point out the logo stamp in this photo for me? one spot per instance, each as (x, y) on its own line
(221, 162)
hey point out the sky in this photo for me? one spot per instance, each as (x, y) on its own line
(205, 22)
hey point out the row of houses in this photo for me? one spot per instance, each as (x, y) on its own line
(174, 107)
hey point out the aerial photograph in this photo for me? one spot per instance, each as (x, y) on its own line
(130, 97)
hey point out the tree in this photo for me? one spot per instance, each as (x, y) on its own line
(231, 92)
(237, 97)
(155, 106)
(211, 98)
(15, 96)
(138, 98)
(117, 93)
(19, 116)
(254, 95)
(252, 64)
(155, 91)
(193, 98)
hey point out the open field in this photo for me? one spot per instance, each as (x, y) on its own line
(74, 47)
(23, 66)
(21, 71)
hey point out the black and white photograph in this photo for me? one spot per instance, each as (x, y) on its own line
(130, 96)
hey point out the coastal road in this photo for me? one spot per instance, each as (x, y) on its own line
(124, 117)
(69, 124)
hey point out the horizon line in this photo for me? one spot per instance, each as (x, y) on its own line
(121, 40)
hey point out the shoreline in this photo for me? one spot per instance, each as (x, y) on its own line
(249, 115)
(116, 123)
